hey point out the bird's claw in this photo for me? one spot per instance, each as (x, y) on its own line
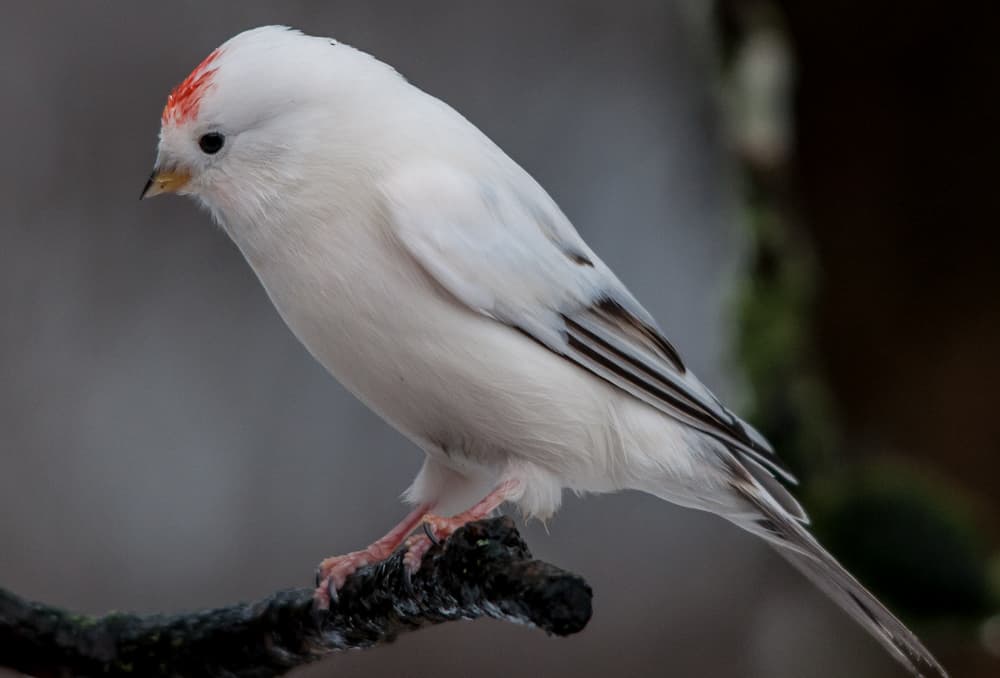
(429, 531)
(325, 596)
(331, 593)
(436, 530)
(333, 572)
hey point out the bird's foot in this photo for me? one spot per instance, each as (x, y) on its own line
(333, 572)
(438, 529)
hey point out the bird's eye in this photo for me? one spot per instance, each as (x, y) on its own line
(211, 143)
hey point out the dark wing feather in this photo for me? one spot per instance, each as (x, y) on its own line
(507, 252)
(627, 350)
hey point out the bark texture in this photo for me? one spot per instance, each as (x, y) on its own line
(484, 570)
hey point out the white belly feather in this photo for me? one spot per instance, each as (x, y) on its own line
(477, 396)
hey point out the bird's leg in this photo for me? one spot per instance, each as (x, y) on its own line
(332, 572)
(438, 528)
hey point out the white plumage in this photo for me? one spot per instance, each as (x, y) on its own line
(438, 282)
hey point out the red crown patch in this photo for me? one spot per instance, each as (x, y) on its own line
(184, 100)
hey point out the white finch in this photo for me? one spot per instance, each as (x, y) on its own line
(439, 282)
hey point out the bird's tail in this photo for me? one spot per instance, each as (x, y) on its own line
(792, 540)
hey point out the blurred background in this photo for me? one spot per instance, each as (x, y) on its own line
(801, 193)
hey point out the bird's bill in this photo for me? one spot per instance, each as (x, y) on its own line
(165, 181)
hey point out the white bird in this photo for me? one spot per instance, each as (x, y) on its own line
(435, 279)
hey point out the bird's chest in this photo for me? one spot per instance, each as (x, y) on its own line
(371, 317)
(454, 381)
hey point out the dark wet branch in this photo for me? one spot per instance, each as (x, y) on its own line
(484, 570)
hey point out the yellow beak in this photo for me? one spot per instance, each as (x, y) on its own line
(165, 181)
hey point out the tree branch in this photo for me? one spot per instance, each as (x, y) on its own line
(483, 570)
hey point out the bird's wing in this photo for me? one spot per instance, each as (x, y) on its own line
(508, 252)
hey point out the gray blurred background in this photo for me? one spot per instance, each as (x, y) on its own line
(166, 444)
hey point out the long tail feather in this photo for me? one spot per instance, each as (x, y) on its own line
(793, 541)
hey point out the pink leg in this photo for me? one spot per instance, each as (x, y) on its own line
(442, 528)
(332, 572)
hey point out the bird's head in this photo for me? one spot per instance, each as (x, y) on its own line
(262, 113)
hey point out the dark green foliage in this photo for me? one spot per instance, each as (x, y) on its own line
(907, 540)
(901, 534)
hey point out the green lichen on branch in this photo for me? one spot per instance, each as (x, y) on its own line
(484, 570)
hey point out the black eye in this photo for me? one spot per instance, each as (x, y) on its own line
(211, 143)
